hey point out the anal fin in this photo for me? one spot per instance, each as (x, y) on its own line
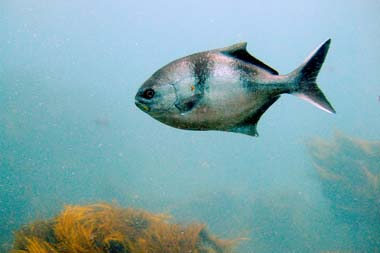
(249, 125)
(245, 129)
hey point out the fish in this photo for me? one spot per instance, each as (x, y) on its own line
(227, 89)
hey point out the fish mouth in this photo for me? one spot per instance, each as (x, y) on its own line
(142, 106)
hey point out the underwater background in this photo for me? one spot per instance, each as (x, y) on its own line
(71, 134)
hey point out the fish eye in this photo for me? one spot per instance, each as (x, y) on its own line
(148, 93)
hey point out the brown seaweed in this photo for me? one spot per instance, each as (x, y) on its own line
(104, 228)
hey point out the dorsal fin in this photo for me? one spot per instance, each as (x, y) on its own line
(239, 51)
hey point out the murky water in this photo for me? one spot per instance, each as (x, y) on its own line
(70, 132)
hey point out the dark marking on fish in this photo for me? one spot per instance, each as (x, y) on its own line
(245, 76)
(201, 69)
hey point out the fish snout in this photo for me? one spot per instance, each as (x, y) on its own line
(142, 106)
(141, 102)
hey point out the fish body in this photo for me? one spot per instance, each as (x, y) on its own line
(226, 89)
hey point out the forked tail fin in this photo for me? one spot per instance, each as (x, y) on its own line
(306, 76)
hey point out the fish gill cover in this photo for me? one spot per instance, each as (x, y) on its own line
(104, 228)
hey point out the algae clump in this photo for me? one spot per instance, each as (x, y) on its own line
(104, 228)
(349, 172)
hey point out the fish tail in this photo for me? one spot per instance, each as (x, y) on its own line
(305, 79)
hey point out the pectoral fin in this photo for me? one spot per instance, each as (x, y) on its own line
(186, 105)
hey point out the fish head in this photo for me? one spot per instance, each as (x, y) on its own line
(157, 96)
(170, 94)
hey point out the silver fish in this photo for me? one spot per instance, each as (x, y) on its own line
(226, 89)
